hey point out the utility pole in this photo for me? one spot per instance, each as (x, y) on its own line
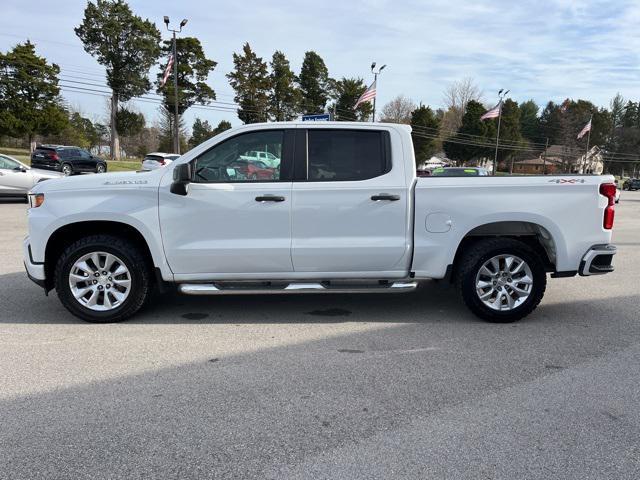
(501, 95)
(375, 83)
(176, 121)
(544, 157)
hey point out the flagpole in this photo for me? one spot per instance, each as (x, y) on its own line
(495, 159)
(375, 82)
(588, 141)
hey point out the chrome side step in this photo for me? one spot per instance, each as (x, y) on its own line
(221, 289)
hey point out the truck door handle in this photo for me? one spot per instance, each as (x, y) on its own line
(385, 196)
(270, 198)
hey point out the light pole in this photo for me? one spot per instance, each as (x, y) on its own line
(176, 121)
(501, 95)
(375, 85)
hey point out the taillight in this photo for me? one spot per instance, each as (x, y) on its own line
(609, 191)
(54, 156)
(163, 162)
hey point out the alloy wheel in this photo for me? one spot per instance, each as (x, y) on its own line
(504, 282)
(100, 281)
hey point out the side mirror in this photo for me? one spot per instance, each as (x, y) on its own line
(181, 179)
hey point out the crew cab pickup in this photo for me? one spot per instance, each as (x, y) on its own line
(342, 212)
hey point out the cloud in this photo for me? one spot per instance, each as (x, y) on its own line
(545, 50)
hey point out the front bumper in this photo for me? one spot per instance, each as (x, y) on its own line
(35, 270)
(598, 260)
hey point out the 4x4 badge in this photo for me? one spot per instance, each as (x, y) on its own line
(567, 180)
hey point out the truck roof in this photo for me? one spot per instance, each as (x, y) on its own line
(323, 124)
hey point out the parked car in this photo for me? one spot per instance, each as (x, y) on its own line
(631, 184)
(253, 170)
(16, 178)
(459, 172)
(68, 160)
(155, 160)
(617, 198)
(346, 214)
(267, 158)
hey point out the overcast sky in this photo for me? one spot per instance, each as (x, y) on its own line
(545, 49)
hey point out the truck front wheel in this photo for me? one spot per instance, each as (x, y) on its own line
(102, 278)
(501, 279)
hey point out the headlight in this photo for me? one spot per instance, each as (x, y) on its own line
(36, 199)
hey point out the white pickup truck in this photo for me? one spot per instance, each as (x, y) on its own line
(344, 212)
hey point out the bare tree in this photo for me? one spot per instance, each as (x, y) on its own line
(455, 99)
(398, 110)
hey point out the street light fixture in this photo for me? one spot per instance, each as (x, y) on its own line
(176, 127)
(375, 81)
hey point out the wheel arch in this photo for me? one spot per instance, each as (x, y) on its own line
(537, 236)
(67, 234)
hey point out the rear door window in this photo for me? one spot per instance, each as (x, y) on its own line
(347, 155)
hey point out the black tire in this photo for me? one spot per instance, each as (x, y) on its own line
(70, 167)
(101, 168)
(130, 255)
(479, 253)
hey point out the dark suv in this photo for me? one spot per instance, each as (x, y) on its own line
(631, 184)
(68, 160)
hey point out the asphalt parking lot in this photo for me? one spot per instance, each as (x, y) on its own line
(403, 386)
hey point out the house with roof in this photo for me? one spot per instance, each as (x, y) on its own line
(561, 159)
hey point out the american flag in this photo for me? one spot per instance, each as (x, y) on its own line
(493, 113)
(167, 71)
(368, 95)
(587, 128)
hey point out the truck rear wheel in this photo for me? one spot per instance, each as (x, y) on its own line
(102, 278)
(501, 279)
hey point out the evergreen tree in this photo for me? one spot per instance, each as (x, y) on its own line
(617, 109)
(29, 94)
(193, 69)
(126, 45)
(459, 148)
(284, 99)
(529, 121)
(251, 83)
(346, 92)
(200, 131)
(129, 123)
(222, 126)
(424, 148)
(551, 122)
(510, 131)
(315, 85)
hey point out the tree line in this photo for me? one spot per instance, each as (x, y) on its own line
(526, 129)
(128, 46)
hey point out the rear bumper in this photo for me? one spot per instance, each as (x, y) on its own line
(598, 260)
(35, 270)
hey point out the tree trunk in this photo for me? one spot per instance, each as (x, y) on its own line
(115, 140)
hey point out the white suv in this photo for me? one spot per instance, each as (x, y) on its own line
(155, 160)
(267, 158)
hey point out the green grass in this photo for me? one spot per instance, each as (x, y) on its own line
(112, 166)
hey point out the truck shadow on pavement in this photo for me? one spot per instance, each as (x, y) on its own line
(430, 302)
(252, 413)
(434, 302)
